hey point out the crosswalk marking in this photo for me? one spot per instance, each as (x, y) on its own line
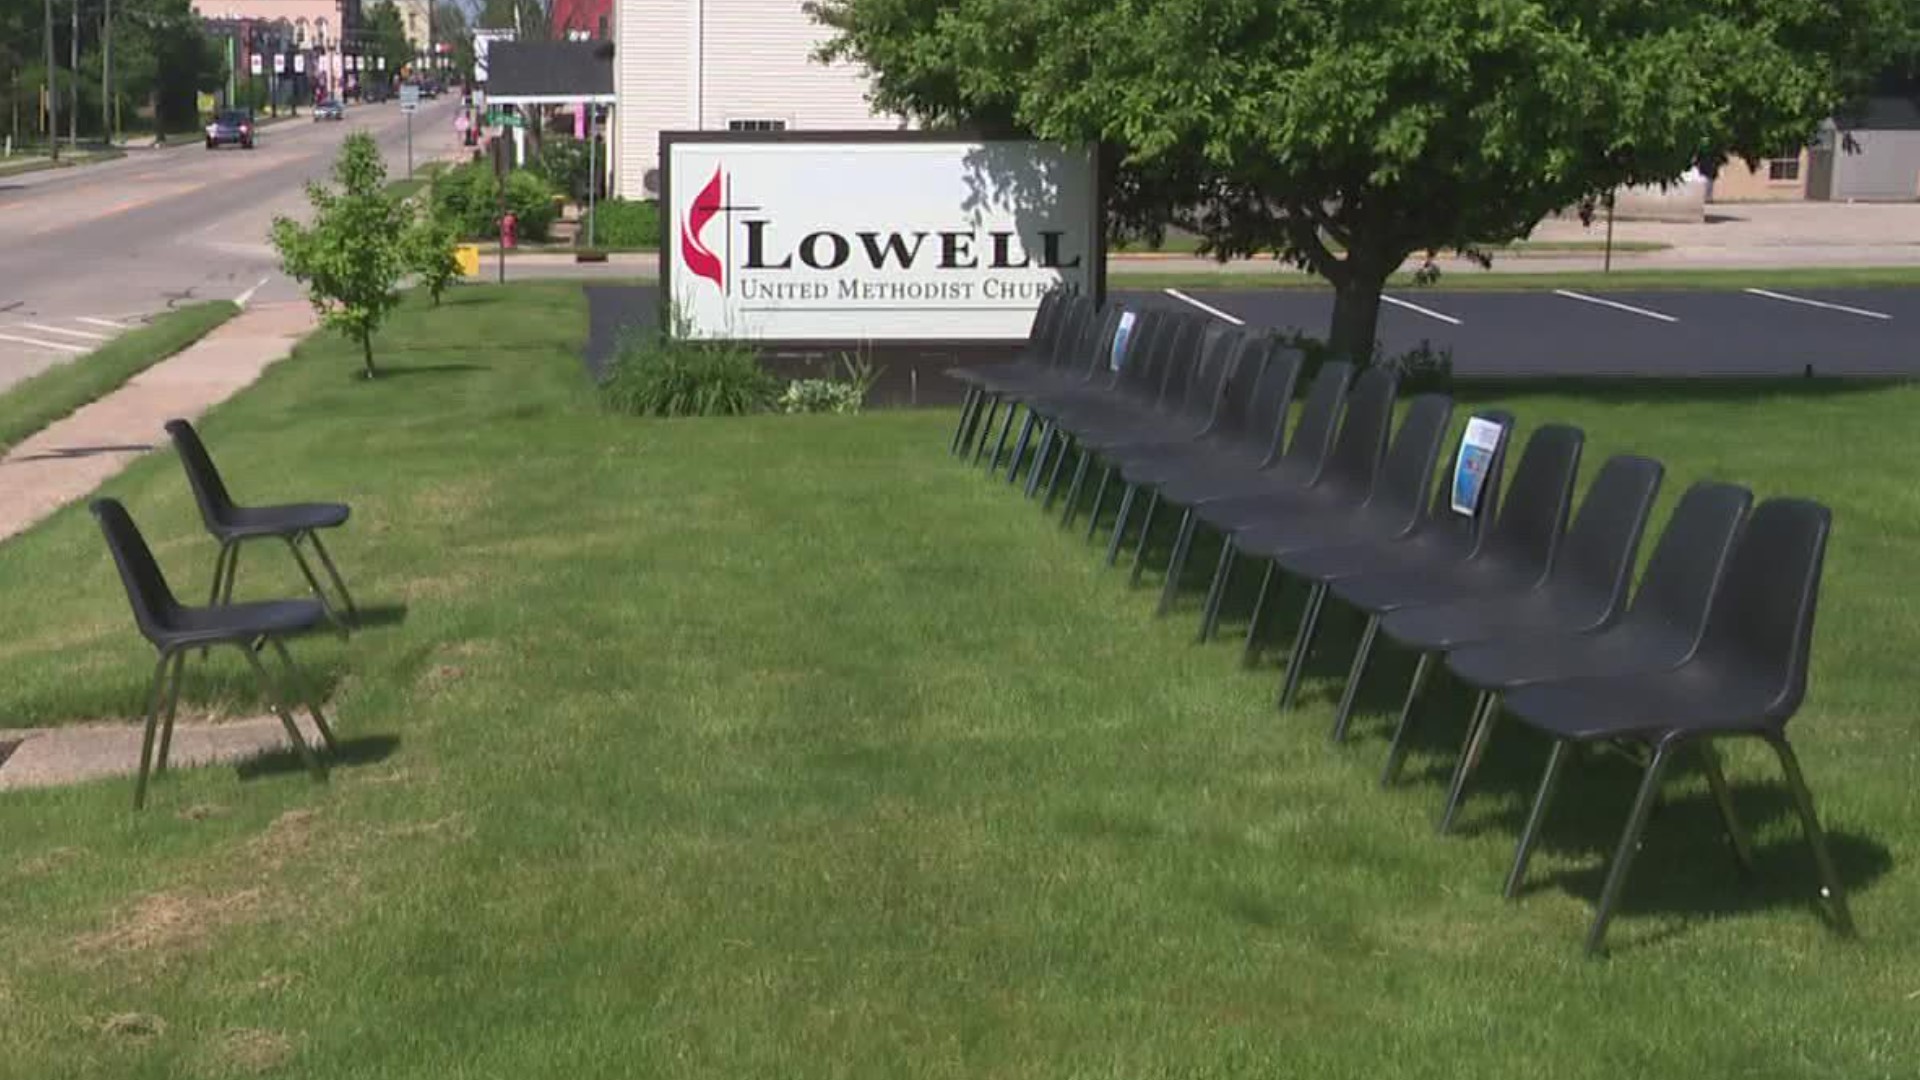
(59, 345)
(44, 328)
(91, 321)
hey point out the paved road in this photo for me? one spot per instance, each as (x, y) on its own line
(1745, 332)
(86, 253)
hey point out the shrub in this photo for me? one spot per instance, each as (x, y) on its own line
(657, 375)
(848, 395)
(466, 200)
(633, 225)
(563, 165)
(1422, 369)
(431, 255)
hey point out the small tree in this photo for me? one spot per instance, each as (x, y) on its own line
(432, 254)
(352, 257)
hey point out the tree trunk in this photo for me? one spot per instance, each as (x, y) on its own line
(1356, 312)
(366, 348)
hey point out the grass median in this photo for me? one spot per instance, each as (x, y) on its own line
(34, 403)
(789, 746)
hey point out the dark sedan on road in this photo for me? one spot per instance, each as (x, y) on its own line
(231, 128)
(330, 109)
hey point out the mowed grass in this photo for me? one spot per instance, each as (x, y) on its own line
(32, 404)
(790, 747)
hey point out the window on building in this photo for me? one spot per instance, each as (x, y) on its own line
(1783, 169)
(756, 125)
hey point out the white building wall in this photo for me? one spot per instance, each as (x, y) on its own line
(699, 65)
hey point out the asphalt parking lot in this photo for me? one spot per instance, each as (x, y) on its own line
(1747, 332)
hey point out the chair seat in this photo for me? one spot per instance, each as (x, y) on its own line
(1431, 550)
(1697, 696)
(1382, 593)
(1445, 627)
(246, 521)
(239, 622)
(1206, 459)
(1306, 532)
(1626, 649)
(1275, 503)
(1203, 486)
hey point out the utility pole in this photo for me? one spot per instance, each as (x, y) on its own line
(53, 91)
(106, 72)
(73, 65)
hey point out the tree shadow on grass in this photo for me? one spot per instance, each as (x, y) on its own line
(410, 370)
(380, 615)
(350, 753)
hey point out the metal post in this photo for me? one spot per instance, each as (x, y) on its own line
(53, 91)
(593, 167)
(73, 65)
(1606, 266)
(409, 144)
(106, 72)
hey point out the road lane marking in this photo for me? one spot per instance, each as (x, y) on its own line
(91, 321)
(1208, 308)
(44, 328)
(1819, 304)
(1615, 304)
(60, 345)
(1428, 312)
(248, 295)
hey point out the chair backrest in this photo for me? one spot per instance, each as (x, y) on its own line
(208, 489)
(1400, 487)
(1595, 568)
(154, 606)
(1195, 394)
(1172, 351)
(1319, 419)
(1533, 517)
(1261, 377)
(1465, 534)
(1363, 433)
(1072, 327)
(1045, 329)
(1689, 564)
(1761, 625)
(1092, 356)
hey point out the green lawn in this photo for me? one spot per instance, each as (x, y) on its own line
(32, 404)
(790, 747)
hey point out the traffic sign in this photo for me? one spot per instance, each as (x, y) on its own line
(409, 97)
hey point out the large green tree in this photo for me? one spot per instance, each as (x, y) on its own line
(385, 35)
(1347, 136)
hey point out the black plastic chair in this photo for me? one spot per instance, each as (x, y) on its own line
(1516, 558)
(175, 629)
(1036, 355)
(1747, 679)
(1659, 632)
(1585, 592)
(233, 525)
(1073, 359)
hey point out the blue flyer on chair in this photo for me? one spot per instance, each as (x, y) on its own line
(1477, 446)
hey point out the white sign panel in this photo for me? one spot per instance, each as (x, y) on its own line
(299, 63)
(482, 39)
(253, 64)
(845, 238)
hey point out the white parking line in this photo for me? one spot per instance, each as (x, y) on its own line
(1428, 312)
(1819, 304)
(91, 321)
(244, 297)
(89, 335)
(60, 345)
(1208, 308)
(1615, 304)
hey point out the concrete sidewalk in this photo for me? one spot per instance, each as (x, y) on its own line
(71, 458)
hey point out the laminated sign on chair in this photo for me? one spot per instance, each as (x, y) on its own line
(1470, 468)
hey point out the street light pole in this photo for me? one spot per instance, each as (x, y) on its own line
(53, 91)
(73, 65)
(106, 72)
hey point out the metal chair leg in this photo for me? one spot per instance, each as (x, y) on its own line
(339, 583)
(1816, 837)
(1059, 464)
(313, 583)
(1344, 711)
(1723, 798)
(1303, 644)
(220, 571)
(233, 571)
(1250, 648)
(1120, 524)
(1047, 434)
(1099, 500)
(313, 763)
(1176, 563)
(298, 683)
(1006, 429)
(1397, 750)
(1486, 711)
(969, 443)
(1216, 593)
(174, 680)
(1549, 783)
(1073, 489)
(1020, 448)
(1146, 532)
(960, 423)
(1629, 847)
(986, 429)
(155, 687)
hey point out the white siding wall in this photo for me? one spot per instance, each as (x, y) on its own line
(699, 64)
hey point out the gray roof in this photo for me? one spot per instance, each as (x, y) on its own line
(550, 69)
